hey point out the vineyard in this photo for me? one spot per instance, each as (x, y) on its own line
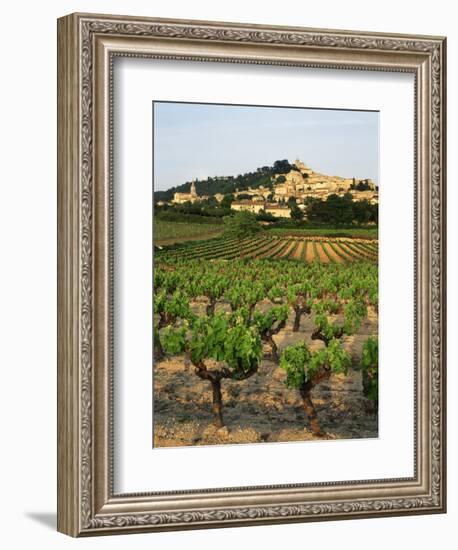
(264, 339)
(267, 246)
(370, 233)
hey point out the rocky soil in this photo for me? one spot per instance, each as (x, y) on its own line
(261, 408)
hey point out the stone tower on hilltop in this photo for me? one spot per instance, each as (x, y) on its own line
(303, 182)
(192, 196)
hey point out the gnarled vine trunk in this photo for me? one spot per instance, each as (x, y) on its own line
(214, 377)
(299, 310)
(217, 406)
(164, 320)
(297, 319)
(268, 337)
(158, 351)
(305, 393)
(310, 409)
(210, 309)
(318, 335)
(157, 346)
(273, 347)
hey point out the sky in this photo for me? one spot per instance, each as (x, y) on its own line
(193, 140)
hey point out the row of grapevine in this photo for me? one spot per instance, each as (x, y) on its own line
(335, 297)
(305, 250)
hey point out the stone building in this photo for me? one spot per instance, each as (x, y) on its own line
(370, 196)
(248, 206)
(260, 192)
(302, 182)
(277, 210)
(192, 196)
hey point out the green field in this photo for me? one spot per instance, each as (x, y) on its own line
(167, 233)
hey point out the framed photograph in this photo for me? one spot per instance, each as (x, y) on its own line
(251, 290)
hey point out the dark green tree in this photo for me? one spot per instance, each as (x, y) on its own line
(296, 212)
(241, 224)
(281, 166)
(227, 200)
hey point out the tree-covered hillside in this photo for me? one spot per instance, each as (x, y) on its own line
(228, 184)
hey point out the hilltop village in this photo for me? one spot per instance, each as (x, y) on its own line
(297, 185)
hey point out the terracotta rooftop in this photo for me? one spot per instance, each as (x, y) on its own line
(244, 201)
(276, 207)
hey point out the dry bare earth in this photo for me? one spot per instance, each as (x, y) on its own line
(261, 409)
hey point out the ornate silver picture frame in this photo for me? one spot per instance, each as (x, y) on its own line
(88, 44)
